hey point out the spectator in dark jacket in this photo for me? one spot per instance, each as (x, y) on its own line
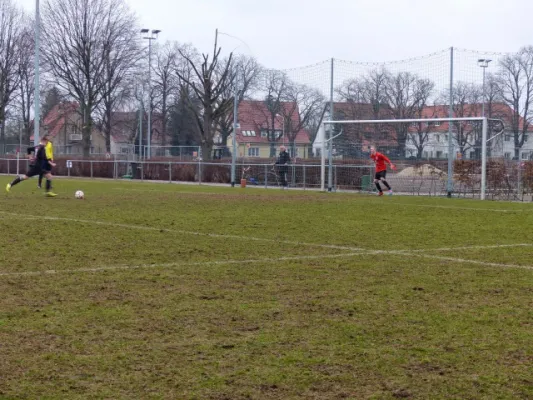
(283, 165)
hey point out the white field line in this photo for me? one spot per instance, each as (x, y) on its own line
(474, 247)
(183, 232)
(456, 208)
(177, 264)
(462, 260)
(166, 191)
(360, 251)
(252, 238)
(253, 261)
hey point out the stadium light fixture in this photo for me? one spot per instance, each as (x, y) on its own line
(483, 63)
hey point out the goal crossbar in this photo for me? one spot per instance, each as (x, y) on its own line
(392, 121)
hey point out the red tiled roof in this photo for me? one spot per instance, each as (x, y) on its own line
(124, 125)
(254, 116)
(361, 111)
(55, 120)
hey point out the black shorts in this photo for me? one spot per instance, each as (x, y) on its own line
(46, 168)
(380, 175)
(34, 171)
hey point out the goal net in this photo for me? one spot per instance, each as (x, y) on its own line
(433, 156)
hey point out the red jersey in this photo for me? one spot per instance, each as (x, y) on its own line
(380, 160)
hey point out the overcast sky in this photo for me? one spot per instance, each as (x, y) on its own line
(293, 33)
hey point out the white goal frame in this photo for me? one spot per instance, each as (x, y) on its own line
(328, 141)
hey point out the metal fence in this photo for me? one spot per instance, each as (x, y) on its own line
(506, 179)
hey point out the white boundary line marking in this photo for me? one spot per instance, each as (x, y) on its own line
(177, 264)
(473, 247)
(252, 238)
(151, 228)
(360, 251)
(259, 260)
(455, 208)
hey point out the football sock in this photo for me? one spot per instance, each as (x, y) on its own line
(17, 180)
(48, 185)
(386, 184)
(378, 186)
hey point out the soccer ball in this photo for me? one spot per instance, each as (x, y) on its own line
(79, 194)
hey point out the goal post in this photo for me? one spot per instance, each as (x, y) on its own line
(464, 137)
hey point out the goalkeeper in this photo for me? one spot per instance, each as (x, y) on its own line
(381, 169)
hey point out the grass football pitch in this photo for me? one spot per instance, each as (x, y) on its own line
(158, 291)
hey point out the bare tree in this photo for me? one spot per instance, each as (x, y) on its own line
(79, 40)
(405, 94)
(515, 80)
(26, 70)
(269, 112)
(301, 104)
(248, 73)
(209, 83)
(121, 53)
(419, 133)
(466, 102)
(52, 97)
(11, 27)
(165, 84)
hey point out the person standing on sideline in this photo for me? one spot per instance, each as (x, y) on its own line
(381, 169)
(40, 165)
(283, 165)
(49, 149)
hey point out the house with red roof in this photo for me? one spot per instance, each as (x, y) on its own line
(125, 128)
(261, 131)
(63, 125)
(427, 140)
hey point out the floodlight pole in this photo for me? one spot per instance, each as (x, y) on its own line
(152, 36)
(234, 139)
(330, 130)
(37, 95)
(450, 135)
(484, 158)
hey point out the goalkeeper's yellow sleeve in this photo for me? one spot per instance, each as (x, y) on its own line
(49, 151)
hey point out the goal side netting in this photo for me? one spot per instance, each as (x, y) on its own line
(433, 156)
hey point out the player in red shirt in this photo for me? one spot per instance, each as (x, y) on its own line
(381, 169)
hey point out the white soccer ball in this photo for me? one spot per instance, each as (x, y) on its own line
(79, 194)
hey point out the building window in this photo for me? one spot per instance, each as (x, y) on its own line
(507, 138)
(437, 123)
(253, 152)
(437, 138)
(507, 155)
(439, 154)
(264, 133)
(525, 156)
(526, 137)
(293, 152)
(472, 155)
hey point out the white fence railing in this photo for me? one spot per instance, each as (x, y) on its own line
(510, 180)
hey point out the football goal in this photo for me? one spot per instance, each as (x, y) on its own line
(436, 156)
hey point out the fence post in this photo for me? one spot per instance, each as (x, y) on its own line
(266, 176)
(519, 189)
(142, 170)
(169, 172)
(8, 166)
(303, 173)
(199, 171)
(91, 168)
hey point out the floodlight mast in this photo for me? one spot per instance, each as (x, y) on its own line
(149, 36)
